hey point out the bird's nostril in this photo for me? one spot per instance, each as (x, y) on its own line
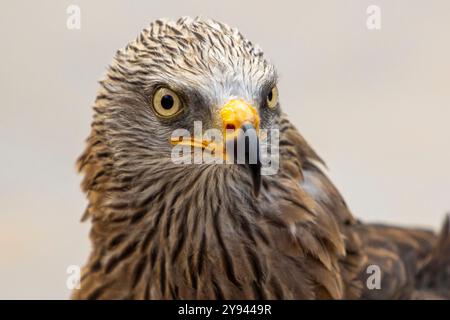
(230, 126)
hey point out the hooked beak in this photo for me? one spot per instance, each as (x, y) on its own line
(240, 122)
(241, 125)
(252, 152)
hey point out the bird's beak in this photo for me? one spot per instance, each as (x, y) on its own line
(241, 121)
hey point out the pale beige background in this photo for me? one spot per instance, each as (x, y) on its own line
(374, 104)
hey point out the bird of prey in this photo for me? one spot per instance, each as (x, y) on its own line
(168, 230)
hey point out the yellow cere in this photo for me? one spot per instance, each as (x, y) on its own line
(236, 113)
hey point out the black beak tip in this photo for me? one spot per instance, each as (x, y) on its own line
(251, 157)
(255, 170)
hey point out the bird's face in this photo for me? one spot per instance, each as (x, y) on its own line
(178, 73)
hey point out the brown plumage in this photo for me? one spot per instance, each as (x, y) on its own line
(162, 230)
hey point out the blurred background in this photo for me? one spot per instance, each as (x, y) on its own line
(375, 104)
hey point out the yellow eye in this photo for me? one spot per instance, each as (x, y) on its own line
(272, 98)
(166, 103)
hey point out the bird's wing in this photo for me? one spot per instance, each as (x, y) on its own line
(295, 153)
(412, 262)
(399, 253)
(434, 277)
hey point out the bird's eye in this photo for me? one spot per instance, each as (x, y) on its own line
(272, 98)
(166, 103)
